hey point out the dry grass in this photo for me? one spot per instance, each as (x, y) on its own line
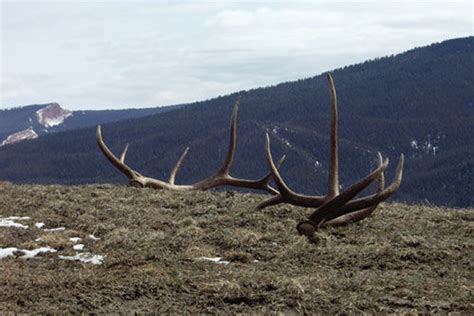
(404, 259)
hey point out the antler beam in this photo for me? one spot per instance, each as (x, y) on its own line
(222, 177)
(334, 208)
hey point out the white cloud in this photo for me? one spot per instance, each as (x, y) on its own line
(91, 54)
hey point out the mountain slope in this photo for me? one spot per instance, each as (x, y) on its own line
(419, 103)
(41, 119)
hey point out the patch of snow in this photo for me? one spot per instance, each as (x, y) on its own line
(54, 121)
(217, 260)
(7, 252)
(8, 222)
(39, 239)
(78, 247)
(28, 133)
(85, 257)
(286, 142)
(39, 225)
(74, 239)
(93, 237)
(33, 253)
(18, 218)
(430, 145)
(52, 115)
(275, 132)
(57, 229)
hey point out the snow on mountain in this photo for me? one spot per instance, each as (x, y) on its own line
(429, 145)
(52, 115)
(52, 118)
(40, 121)
(28, 133)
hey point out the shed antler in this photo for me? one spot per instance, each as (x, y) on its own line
(334, 208)
(222, 177)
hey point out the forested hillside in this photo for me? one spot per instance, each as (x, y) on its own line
(419, 103)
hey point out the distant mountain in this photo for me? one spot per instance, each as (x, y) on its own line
(419, 103)
(29, 122)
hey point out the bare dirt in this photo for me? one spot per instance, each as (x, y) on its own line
(406, 258)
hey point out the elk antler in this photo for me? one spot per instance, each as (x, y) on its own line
(334, 209)
(222, 177)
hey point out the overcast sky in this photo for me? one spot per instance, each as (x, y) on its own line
(119, 54)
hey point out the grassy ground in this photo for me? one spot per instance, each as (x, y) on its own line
(404, 258)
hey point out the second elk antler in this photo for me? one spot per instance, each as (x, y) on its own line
(334, 208)
(222, 177)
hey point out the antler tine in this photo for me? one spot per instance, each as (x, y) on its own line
(280, 183)
(361, 214)
(123, 153)
(118, 163)
(327, 210)
(176, 167)
(261, 183)
(368, 201)
(277, 199)
(223, 177)
(333, 180)
(264, 180)
(381, 178)
(285, 194)
(232, 141)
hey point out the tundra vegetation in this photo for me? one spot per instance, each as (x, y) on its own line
(406, 258)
